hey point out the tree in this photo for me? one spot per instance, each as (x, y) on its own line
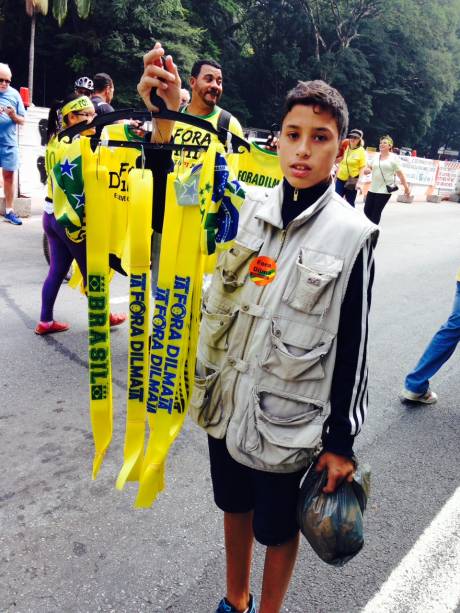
(337, 23)
(34, 7)
(90, 46)
(60, 10)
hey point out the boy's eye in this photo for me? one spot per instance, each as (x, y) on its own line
(292, 135)
(320, 138)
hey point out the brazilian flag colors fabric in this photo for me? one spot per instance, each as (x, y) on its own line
(186, 134)
(201, 215)
(120, 161)
(139, 231)
(259, 167)
(200, 211)
(97, 242)
(68, 191)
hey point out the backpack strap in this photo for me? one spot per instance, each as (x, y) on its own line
(223, 121)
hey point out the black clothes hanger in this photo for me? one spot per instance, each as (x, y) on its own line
(232, 142)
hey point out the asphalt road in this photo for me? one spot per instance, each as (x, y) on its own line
(68, 544)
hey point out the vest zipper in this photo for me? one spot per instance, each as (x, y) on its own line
(296, 194)
(248, 335)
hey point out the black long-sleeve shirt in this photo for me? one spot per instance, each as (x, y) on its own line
(349, 394)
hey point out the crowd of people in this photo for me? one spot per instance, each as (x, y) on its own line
(296, 349)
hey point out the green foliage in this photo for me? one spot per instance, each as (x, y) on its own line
(395, 61)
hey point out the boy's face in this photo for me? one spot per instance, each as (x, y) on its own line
(307, 146)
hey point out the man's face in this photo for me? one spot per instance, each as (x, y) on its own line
(207, 85)
(307, 146)
(5, 79)
(82, 91)
(109, 92)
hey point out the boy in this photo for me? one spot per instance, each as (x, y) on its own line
(281, 368)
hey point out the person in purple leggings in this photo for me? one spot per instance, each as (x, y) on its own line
(74, 109)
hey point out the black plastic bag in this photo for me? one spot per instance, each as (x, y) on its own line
(333, 523)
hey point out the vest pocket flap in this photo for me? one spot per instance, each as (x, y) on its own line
(311, 288)
(297, 357)
(233, 262)
(321, 263)
(287, 420)
(214, 328)
(295, 334)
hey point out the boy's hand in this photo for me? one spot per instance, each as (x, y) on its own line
(165, 80)
(339, 468)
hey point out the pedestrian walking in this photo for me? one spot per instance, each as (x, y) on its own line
(439, 350)
(384, 168)
(63, 250)
(12, 115)
(351, 164)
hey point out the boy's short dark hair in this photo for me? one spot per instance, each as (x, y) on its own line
(102, 80)
(199, 63)
(321, 94)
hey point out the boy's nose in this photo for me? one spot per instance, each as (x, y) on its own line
(304, 149)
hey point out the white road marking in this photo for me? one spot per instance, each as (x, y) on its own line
(427, 579)
(119, 300)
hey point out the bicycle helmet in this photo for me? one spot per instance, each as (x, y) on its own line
(85, 83)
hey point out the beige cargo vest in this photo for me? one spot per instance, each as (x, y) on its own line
(266, 353)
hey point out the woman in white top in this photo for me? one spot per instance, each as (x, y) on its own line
(384, 167)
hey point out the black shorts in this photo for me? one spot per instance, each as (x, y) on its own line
(240, 489)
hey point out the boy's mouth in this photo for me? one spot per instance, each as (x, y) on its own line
(300, 170)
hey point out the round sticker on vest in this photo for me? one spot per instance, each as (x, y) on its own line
(262, 270)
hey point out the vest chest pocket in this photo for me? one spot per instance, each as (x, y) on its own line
(312, 285)
(233, 264)
(296, 352)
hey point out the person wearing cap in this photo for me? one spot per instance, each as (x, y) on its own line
(63, 250)
(12, 114)
(384, 168)
(103, 93)
(351, 166)
(84, 86)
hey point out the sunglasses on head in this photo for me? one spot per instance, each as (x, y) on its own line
(5, 81)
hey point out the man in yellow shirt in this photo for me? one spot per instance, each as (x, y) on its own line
(206, 84)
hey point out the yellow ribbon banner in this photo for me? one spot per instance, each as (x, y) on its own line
(97, 245)
(170, 363)
(139, 232)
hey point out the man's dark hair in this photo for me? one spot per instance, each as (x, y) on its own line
(320, 94)
(101, 80)
(199, 63)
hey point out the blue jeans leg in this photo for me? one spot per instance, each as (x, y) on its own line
(441, 347)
